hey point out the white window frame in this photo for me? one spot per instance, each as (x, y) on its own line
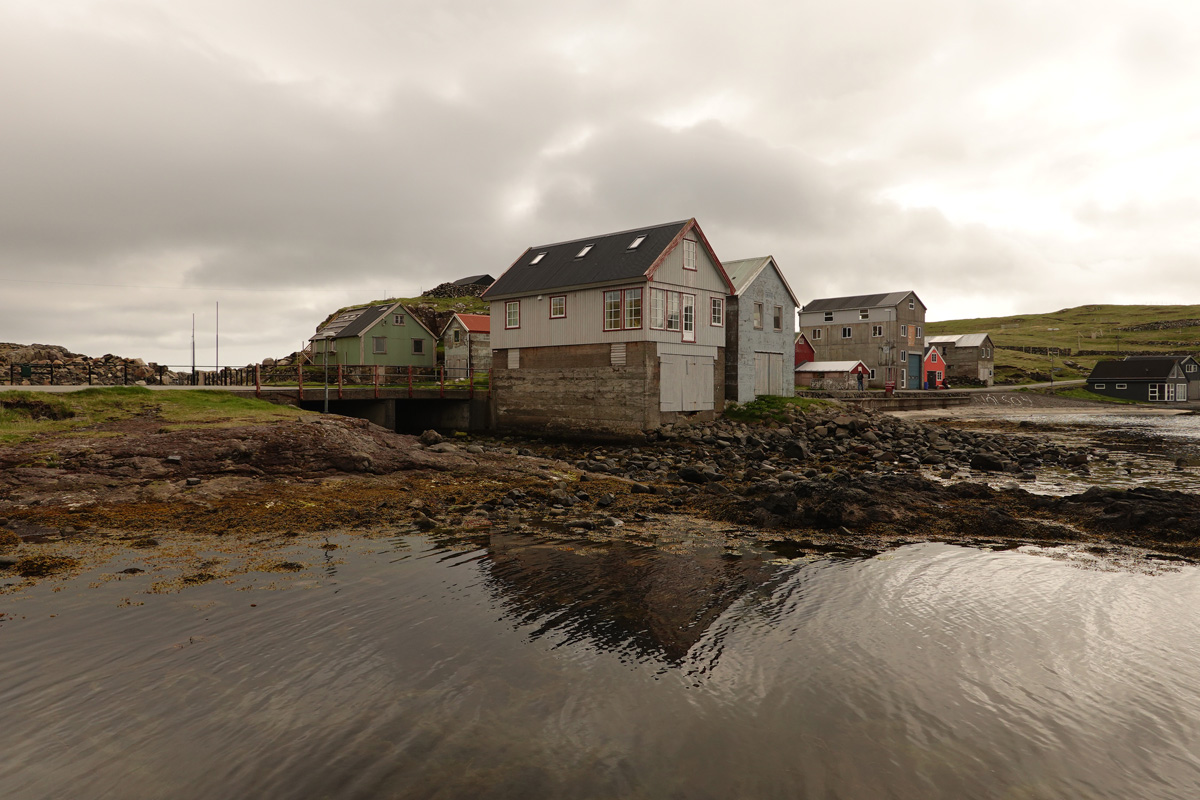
(912, 304)
(1102, 385)
(379, 345)
(689, 254)
(1152, 394)
(829, 316)
(876, 331)
(537, 258)
(847, 332)
(717, 312)
(817, 334)
(398, 319)
(512, 311)
(759, 312)
(904, 330)
(920, 333)
(1117, 386)
(561, 313)
(777, 318)
(864, 313)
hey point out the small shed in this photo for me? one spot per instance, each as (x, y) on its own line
(467, 345)
(933, 369)
(832, 374)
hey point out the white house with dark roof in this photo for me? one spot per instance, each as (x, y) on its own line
(760, 331)
(884, 331)
(612, 333)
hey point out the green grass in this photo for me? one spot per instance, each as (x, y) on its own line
(26, 415)
(1092, 328)
(771, 407)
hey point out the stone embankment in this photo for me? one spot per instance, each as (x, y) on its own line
(45, 364)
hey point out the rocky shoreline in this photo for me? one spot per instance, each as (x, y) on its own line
(832, 479)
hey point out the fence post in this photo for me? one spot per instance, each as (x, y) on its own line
(257, 382)
(410, 381)
(299, 381)
(470, 384)
(375, 370)
(339, 381)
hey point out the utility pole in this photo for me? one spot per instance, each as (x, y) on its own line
(193, 349)
(217, 356)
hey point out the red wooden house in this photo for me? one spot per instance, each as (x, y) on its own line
(933, 369)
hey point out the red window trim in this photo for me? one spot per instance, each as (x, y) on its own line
(621, 320)
(554, 297)
(508, 327)
(711, 301)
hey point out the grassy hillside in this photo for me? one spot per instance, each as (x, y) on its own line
(1101, 332)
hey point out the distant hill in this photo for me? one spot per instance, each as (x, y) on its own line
(1082, 335)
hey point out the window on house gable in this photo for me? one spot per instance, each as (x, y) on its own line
(912, 303)
(847, 332)
(558, 306)
(758, 316)
(1191, 367)
(538, 258)
(512, 314)
(586, 249)
(689, 254)
(634, 244)
(379, 344)
(457, 336)
(398, 319)
(777, 320)
(717, 317)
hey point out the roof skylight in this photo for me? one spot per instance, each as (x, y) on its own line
(538, 258)
(585, 250)
(641, 238)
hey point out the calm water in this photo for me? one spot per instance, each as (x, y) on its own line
(534, 669)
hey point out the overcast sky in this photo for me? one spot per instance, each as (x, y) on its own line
(287, 157)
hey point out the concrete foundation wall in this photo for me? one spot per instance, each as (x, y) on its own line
(575, 390)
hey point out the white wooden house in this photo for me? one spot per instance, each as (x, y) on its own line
(611, 333)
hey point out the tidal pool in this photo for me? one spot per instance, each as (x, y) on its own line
(524, 667)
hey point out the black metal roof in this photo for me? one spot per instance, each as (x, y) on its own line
(1133, 369)
(610, 259)
(475, 280)
(365, 321)
(859, 301)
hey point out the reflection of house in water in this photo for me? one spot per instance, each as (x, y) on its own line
(621, 597)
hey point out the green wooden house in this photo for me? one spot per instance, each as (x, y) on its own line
(384, 335)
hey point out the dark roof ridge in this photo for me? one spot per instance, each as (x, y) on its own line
(611, 233)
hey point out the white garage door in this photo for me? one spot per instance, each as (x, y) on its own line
(686, 383)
